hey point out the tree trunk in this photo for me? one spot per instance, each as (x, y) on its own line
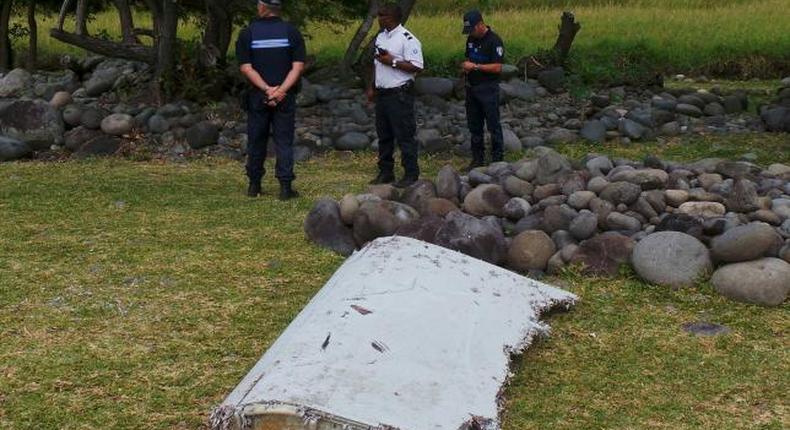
(359, 37)
(32, 25)
(63, 11)
(105, 47)
(166, 44)
(82, 18)
(568, 29)
(127, 22)
(219, 31)
(366, 58)
(6, 54)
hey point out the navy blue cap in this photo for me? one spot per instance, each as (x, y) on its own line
(471, 19)
(275, 3)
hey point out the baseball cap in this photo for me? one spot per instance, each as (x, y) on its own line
(471, 19)
(275, 3)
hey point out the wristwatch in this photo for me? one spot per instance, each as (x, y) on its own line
(394, 64)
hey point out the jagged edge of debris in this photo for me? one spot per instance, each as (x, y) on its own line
(540, 329)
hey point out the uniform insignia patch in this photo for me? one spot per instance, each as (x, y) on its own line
(500, 50)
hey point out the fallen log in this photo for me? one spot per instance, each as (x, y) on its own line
(107, 48)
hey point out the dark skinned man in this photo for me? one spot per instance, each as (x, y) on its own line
(485, 54)
(398, 59)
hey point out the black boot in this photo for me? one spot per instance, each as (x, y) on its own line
(383, 178)
(406, 182)
(286, 192)
(254, 190)
(474, 165)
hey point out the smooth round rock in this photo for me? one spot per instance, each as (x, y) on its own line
(672, 259)
(764, 282)
(530, 250)
(743, 243)
(702, 209)
(487, 199)
(117, 124)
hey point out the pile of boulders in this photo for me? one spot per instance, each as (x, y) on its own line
(674, 223)
(776, 115)
(105, 107)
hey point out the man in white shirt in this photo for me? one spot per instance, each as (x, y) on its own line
(398, 59)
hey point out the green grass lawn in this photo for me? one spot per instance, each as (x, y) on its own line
(619, 38)
(136, 295)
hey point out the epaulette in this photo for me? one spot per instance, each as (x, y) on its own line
(407, 35)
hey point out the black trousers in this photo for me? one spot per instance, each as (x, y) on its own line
(482, 106)
(278, 122)
(395, 122)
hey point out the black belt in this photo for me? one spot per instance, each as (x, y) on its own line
(403, 88)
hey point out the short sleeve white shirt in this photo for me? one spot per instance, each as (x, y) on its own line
(404, 47)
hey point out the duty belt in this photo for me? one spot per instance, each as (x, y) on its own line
(403, 88)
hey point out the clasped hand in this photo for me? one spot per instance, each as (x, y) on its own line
(274, 96)
(468, 66)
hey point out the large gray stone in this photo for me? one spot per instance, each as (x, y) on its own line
(517, 187)
(584, 225)
(99, 146)
(472, 236)
(15, 82)
(603, 254)
(418, 194)
(448, 183)
(621, 192)
(743, 243)
(101, 81)
(552, 79)
(34, 122)
(530, 250)
(552, 167)
(75, 138)
(688, 109)
(632, 129)
(379, 218)
(593, 131)
(511, 141)
(516, 89)
(117, 124)
(485, 200)
(12, 149)
(353, 141)
(324, 227)
(672, 259)
(764, 282)
(202, 134)
(158, 124)
(561, 136)
(441, 87)
(647, 179)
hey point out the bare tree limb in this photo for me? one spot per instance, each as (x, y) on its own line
(105, 47)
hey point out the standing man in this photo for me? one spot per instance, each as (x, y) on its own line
(271, 53)
(398, 59)
(485, 54)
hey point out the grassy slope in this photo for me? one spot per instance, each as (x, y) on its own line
(736, 38)
(136, 295)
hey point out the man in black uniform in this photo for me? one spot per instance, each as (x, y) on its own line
(271, 54)
(398, 59)
(485, 54)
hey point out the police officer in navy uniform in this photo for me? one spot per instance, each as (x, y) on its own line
(271, 53)
(398, 59)
(485, 54)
